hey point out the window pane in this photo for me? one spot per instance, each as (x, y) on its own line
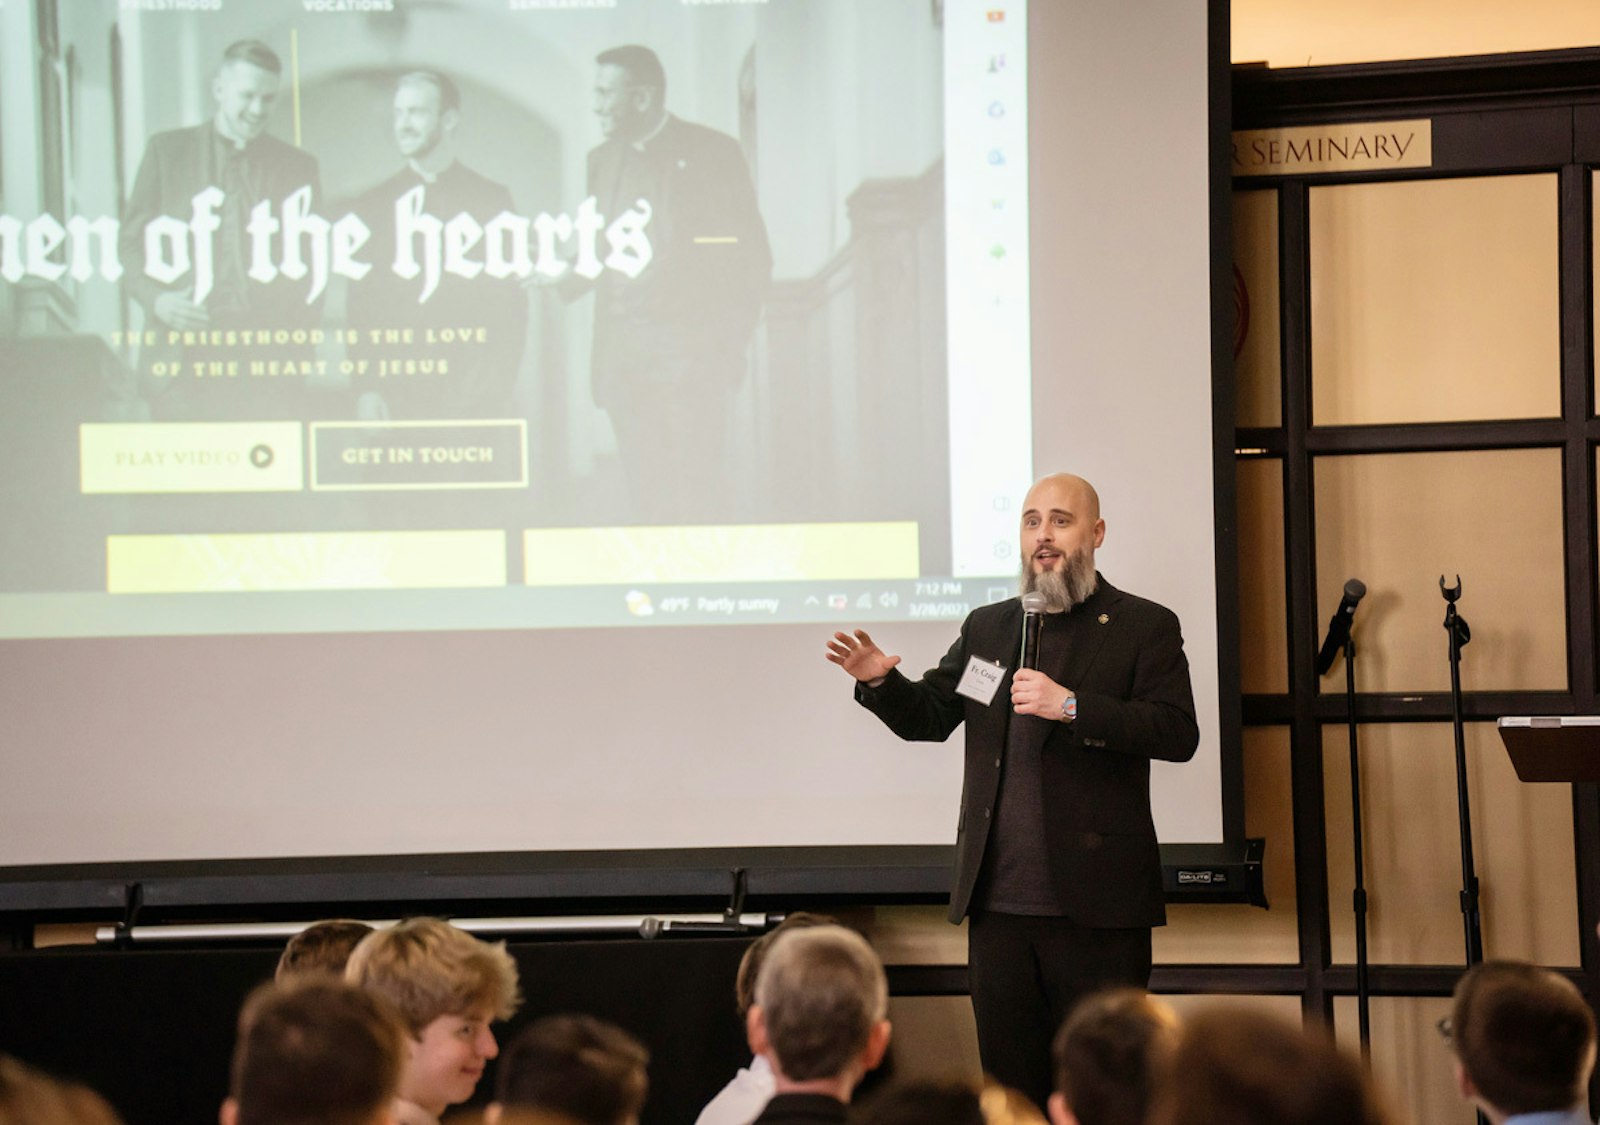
(1263, 617)
(1522, 844)
(1412, 1065)
(1398, 521)
(1217, 933)
(1435, 300)
(1257, 359)
(934, 1038)
(1284, 1007)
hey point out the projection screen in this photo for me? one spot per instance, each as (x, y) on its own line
(417, 443)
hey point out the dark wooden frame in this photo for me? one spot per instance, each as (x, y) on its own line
(1491, 115)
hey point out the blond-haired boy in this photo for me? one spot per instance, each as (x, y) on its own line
(447, 986)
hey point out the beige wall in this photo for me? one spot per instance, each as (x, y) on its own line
(1328, 32)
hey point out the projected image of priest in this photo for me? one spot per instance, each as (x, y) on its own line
(671, 345)
(468, 332)
(190, 273)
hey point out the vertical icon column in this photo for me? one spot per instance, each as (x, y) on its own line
(986, 230)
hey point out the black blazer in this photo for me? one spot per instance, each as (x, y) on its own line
(180, 163)
(1123, 657)
(177, 165)
(687, 318)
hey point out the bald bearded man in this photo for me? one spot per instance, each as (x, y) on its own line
(1057, 865)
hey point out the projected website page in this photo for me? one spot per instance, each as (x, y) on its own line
(304, 338)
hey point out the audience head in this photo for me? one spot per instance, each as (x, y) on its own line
(576, 1066)
(1108, 1057)
(821, 1008)
(1243, 1067)
(744, 983)
(447, 987)
(1524, 1039)
(314, 1052)
(320, 948)
(923, 1103)
(948, 1103)
(31, 1097)
(1002, 1105)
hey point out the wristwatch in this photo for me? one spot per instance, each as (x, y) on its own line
(1069, 708)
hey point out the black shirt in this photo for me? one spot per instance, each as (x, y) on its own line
(802, 1109)
(1016, 876)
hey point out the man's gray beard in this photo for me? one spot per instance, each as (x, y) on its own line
(1063, 589)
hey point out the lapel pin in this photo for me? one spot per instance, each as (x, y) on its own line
(1105, 618)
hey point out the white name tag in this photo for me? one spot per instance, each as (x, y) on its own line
(981, 680)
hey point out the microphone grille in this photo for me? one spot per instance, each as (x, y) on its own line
(1033, 602)
(1355, 588)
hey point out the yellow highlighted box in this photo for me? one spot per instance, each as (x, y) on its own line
(340, 560)
(132, 457)
(734, 553)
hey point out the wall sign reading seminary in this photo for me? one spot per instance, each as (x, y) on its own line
(1358, 147)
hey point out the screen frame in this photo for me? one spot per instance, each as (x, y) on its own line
(557, 881)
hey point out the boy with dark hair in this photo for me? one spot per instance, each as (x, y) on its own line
(1238, 1066)
(576, 1066)
(1525, 1044)
(314, 1052)
(923, 1103)
(320, 948)
(1108, 1057)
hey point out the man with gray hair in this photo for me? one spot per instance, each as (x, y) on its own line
(820, 1020)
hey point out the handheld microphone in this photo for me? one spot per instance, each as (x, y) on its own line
(1339, 626)
(1033, 604)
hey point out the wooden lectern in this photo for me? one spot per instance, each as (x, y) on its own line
(1553, 747)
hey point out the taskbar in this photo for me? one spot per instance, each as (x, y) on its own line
(919, 599)
(844, 604)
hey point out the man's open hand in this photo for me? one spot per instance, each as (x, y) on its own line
(857, 655)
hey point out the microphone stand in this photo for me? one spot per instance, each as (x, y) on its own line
(1456, 626)
(1359, 898)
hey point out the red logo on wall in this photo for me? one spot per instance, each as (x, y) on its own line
(1241, 311)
